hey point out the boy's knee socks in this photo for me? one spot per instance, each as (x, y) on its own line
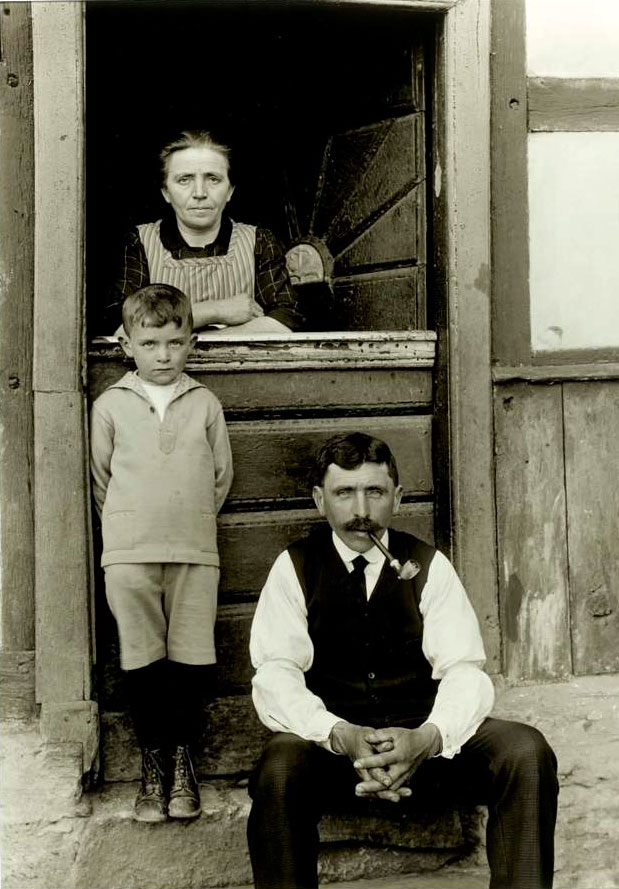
(148, 695)
(190, 688)
(167, 701)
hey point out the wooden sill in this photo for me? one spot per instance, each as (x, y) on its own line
(306, 351)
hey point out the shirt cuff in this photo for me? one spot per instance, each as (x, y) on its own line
(450, 748)
(327, 721)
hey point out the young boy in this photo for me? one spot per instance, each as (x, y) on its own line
(161, 468)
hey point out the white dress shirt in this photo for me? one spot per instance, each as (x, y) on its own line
(282, 651)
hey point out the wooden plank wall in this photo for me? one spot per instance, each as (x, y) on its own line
(558, 527)
(531, 526)
(555, 415)
(591, 455)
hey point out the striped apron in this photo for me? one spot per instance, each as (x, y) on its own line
(208, 277)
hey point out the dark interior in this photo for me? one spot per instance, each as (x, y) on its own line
(277, 78)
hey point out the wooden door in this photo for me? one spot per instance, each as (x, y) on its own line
(365, 211)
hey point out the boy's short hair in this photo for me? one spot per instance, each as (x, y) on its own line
(157, 305)
(349, 451)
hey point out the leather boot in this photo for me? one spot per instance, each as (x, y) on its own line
(151, 803)
(184, 792)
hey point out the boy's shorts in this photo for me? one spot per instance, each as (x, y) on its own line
(163, 610)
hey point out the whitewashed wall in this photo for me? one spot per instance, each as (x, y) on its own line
(574, 185)
(572, 38)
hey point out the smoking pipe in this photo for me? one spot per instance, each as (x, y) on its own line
(406, 571)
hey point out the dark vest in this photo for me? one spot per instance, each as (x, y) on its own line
(368, 664)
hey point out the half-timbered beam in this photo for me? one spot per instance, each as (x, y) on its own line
(563, 104)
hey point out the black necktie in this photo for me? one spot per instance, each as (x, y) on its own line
(357, 579)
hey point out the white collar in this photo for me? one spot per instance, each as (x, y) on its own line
(347, 554)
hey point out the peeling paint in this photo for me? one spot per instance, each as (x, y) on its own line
(538, 619)
(438, 180)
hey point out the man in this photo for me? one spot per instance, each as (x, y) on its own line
(385, 672)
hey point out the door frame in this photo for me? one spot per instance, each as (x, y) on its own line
(461, 187)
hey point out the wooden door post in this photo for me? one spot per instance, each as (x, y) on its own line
(463, 187)
(62, 549)
(16, 295)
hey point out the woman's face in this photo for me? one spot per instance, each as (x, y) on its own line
(197, 188)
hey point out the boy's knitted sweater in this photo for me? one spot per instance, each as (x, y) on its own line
(159, 485)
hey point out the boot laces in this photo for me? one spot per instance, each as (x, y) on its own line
(152, 773)
(183, 772)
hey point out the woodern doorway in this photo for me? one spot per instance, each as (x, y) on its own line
(331, 110)
(460, 259)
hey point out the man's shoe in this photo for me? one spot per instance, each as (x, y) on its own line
(184, 793)
(151, 803)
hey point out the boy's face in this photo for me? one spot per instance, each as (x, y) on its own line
(160, 353)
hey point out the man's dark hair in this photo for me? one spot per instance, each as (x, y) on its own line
(351, 450)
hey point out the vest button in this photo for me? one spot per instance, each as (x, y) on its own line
(371, 676)
(152, 409)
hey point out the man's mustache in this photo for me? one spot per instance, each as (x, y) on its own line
(362, 524)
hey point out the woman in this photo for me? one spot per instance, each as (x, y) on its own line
(234, 273)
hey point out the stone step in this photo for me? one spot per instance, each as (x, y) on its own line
(117, 852)
(453, 876)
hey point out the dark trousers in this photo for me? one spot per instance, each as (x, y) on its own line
(507, 766)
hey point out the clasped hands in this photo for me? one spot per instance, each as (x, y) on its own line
(385, 758)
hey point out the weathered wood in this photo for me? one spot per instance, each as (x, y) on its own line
(343, 156)
(298, 391)
(552, 373)
(16, 309)
(532, 537)
(62, 549)
(274, 458)
(348, 349)
(591, 434)
(388, 299)
(466, 201)
(364, 172)
(562, 104)
(511, 338)
(398, 236)
(17, 685)
(304, 351)
(438, 308)
(59, 186)
(232, 639)
(249, 542)
(396, 166)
